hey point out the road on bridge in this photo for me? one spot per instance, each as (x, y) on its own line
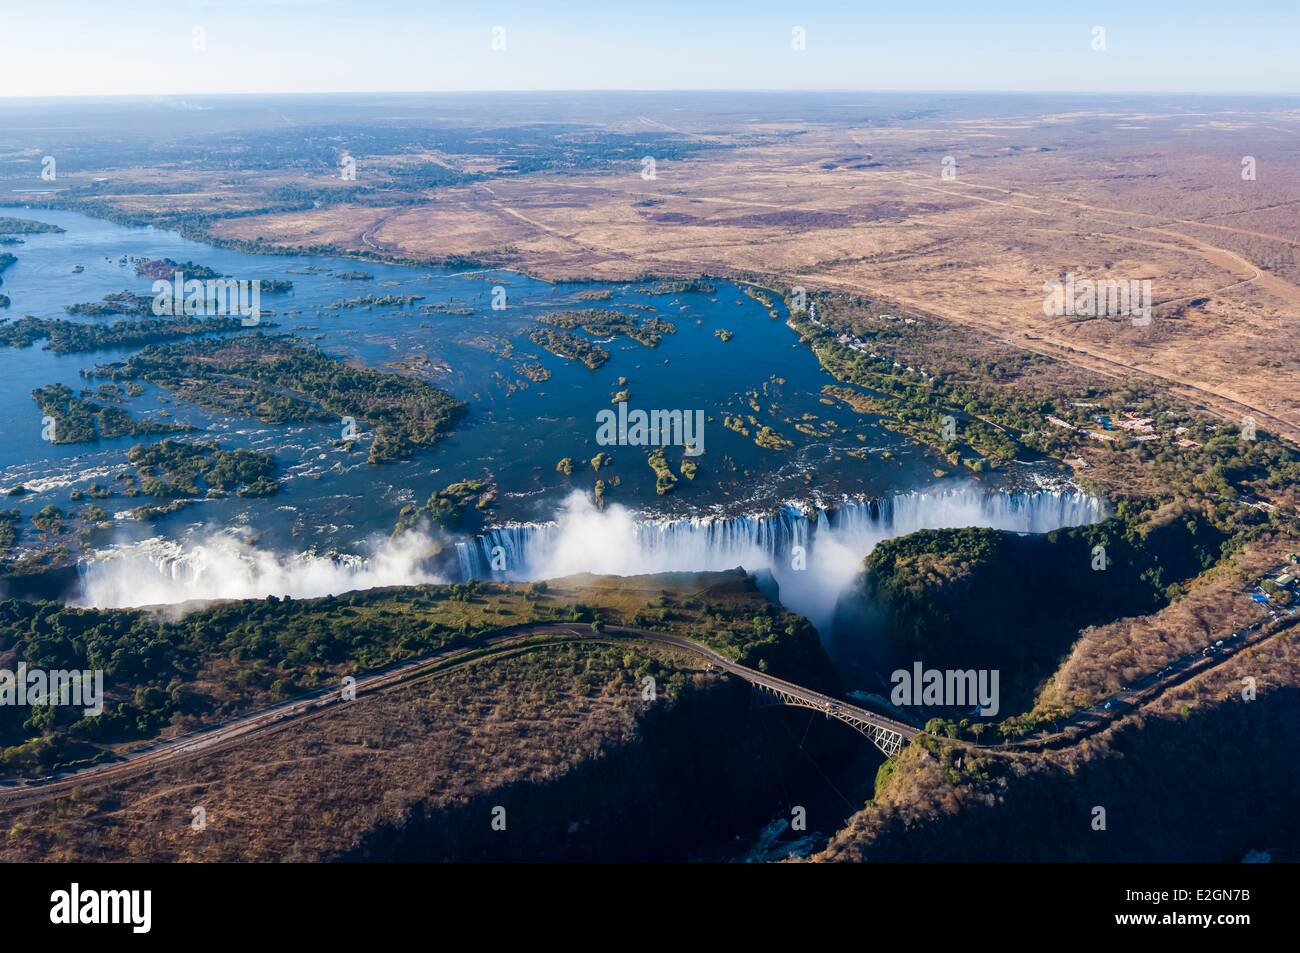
(263, 721)
(516, 638)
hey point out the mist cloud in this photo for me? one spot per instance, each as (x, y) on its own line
(223, 566)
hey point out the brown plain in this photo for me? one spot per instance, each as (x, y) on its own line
(867, 210)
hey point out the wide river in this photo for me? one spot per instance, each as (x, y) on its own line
(844, 483)
(806, 514)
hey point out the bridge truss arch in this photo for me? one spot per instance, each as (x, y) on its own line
(889, 741)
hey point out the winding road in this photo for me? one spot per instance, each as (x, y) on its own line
(514, 639)
(887, 733)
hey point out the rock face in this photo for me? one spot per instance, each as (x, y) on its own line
(988, 599)
(562, 740)
(699, 774)
(1157, 808)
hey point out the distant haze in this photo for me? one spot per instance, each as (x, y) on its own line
(172, 47)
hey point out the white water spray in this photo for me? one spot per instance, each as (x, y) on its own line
(222, 566)
(813, 553)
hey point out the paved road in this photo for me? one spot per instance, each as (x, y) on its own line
(224, 734)
(261, 721)
(833, 707)
(520, 638)
(1146, 689)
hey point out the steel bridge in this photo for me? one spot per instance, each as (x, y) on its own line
(885, 733)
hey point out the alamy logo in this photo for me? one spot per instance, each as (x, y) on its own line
(1107, 298)
(948, 688)
(179, 297)
(656, 428)
(103, 906)
(78, 689)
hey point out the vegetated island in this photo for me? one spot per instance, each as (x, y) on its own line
(116, 302)
(278, 379)
(603, 323)
(446, 507)
(78, 420)
(174, 468)
(166, 268)
(562, 344)
(26, 226)
(72, 337)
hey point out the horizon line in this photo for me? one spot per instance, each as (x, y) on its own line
(623, 91)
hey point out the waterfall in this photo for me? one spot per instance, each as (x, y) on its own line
(222, 565)
(813, 552)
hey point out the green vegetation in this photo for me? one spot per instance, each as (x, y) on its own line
(24, 226)
(49, 519)
(769, 439)
(176, 469)
(166, 268)
(665, 481)
(161, 671)
(927, 425)
(95, 516)
(446, 507)
(118, 302)
(278, 379)
(1003, 399)
(964, 598)
(77, 420)
(735, 424)
(69, 337)
(603, 323)
(534, 372)
(152, 511)
(569, 346)
(681, 286)
(96, 491)
(1187, 491)
(9, 523)
(374, 301)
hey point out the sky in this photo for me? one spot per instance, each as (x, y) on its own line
(155, 47)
